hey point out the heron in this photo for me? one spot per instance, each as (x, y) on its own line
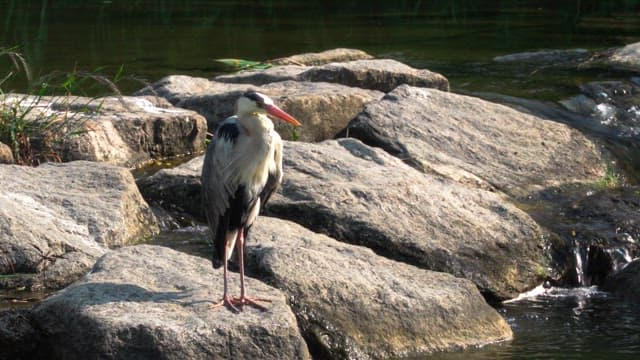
(242, 168)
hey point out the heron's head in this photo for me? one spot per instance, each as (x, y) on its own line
(253, 101)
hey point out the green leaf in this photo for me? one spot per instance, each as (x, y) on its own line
(239, 64)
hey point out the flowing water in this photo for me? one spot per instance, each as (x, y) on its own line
(147, 39)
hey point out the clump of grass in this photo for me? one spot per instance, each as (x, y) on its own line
(28, 126)
(611, 179)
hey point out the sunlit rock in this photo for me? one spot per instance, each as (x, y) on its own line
(126, 131)
(57, 219)
(323, 108)
(354, 304)
(6, 156)
(153, 302)
(323, 57)
(476, 142)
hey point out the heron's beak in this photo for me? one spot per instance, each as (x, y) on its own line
(281, 114)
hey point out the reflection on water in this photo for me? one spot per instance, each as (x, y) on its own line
(581, 323)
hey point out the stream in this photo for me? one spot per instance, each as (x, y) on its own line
(150, 39)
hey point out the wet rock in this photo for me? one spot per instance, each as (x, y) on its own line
(476, 142)
(553, 57)
(324, 109)
(364, 196)
(151, 302)
(6, 155)
(125, 131)
(379, 74)
(324, 57)
(57, 219)
(603, 229)
(613, 104)
(625, 283)
(352, 304)
(18, 338)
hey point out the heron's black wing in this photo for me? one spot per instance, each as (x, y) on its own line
(275, 176)
(218, 191)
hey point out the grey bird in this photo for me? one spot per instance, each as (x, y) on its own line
(242, 168)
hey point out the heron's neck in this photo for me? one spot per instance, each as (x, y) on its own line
(256, 123)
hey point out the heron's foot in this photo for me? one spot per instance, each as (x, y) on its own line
(234, 304)
(227, 302)
(245, 300)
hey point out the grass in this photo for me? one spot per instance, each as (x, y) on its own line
(27, 125)
(610, 180)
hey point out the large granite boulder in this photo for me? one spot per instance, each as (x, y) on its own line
(364, 196)
(151, 302)
(353, 304)
(476, 142)
(57, 219)
(324, 109)
(126, 131)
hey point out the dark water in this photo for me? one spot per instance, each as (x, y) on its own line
(566, 324)
(459, 38)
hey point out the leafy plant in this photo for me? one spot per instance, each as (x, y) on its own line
(239, 64)
(611, 179)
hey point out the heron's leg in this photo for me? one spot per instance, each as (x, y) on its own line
(244, 299)
(226, 300)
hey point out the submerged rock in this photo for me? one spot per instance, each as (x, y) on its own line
(364, 196)
(476, 142)
(553, 57)
(324, 109)
(126, 131)
(150, 302)
(352, 304)
(57, 219)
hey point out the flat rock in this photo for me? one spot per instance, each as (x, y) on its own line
(151, 302)
(126, 131)
(262, 77)
(324, 57)
(364, 196)
(353, 304)
(552, 57)
(324, 109)
(57, 219)
(476, 142)
(6, 155)
(375, 74)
